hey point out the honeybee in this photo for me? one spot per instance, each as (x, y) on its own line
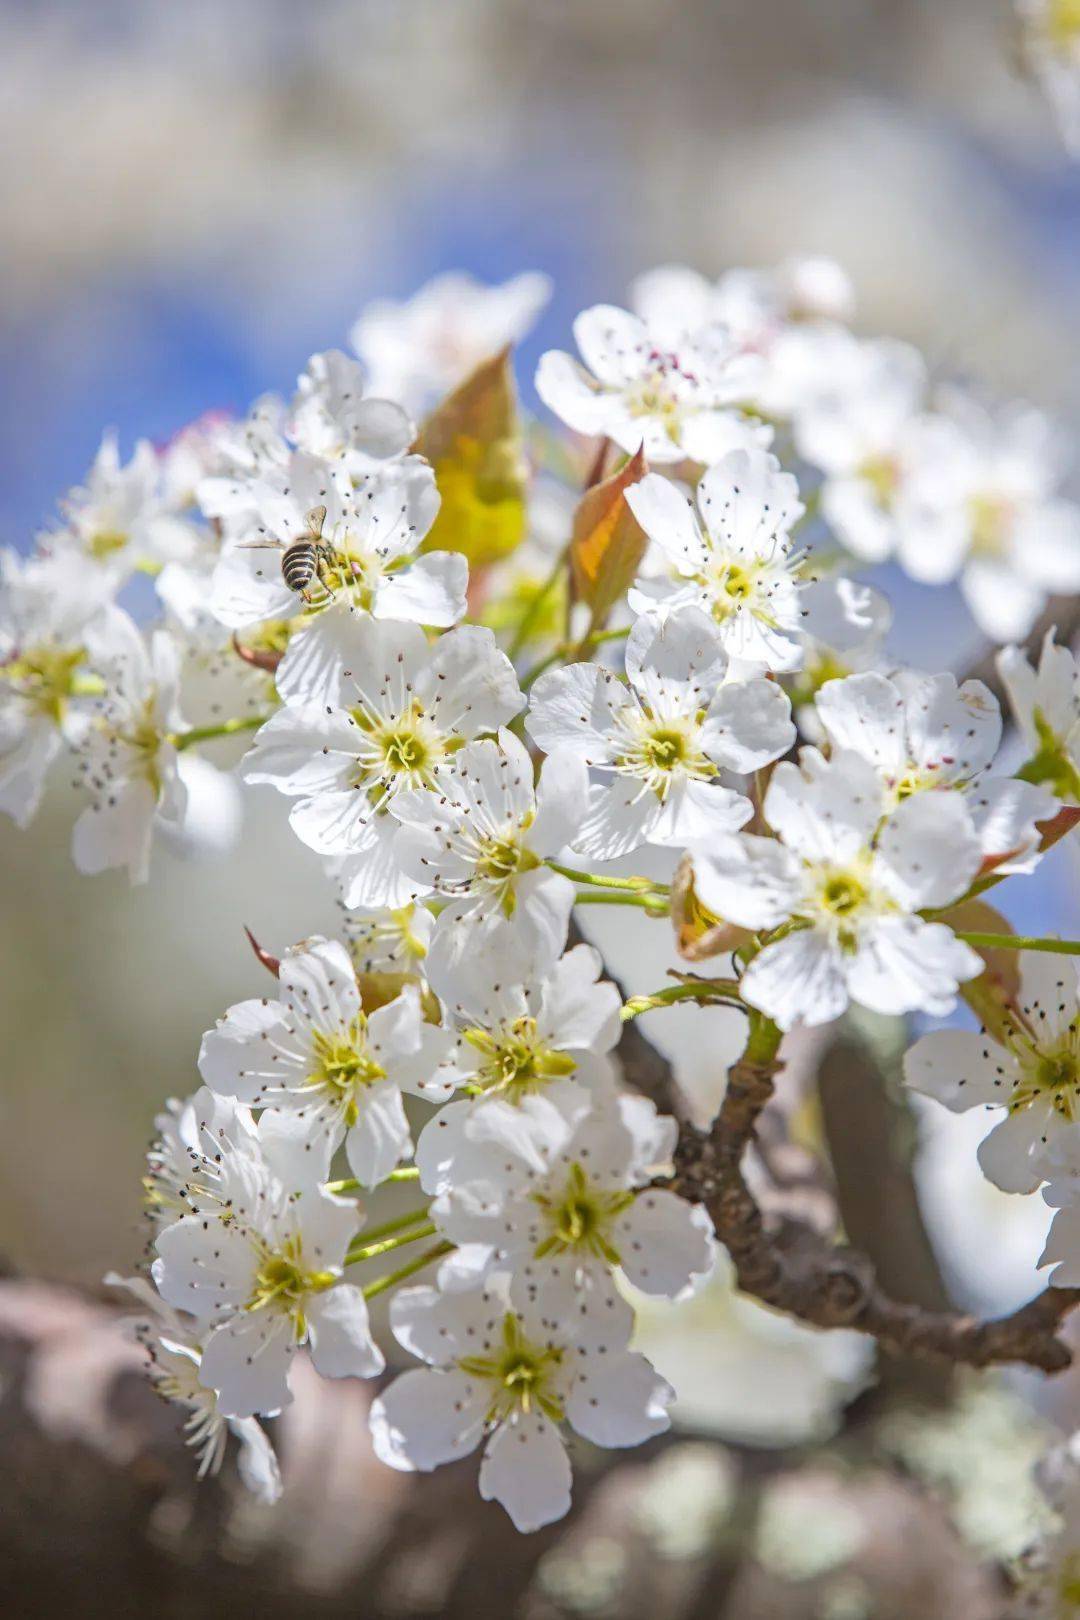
(304, 557)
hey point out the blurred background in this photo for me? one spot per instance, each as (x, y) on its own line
(195, 198)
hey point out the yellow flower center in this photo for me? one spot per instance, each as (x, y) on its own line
(579, 1217)
(502, 858)
(883, 475)
(842, 894)
(837, 896)
(283, 1282)
(515, 1060)
(663, 750)
(1054, 1075)
(45, 677)
(521, 1374)
(990, 520)
(106, 543)
(344, 1067)
(654, 396)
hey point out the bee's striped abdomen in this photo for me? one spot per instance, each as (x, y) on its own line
(299, 564)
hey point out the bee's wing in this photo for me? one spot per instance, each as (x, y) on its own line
(315, 520)
(259, 545)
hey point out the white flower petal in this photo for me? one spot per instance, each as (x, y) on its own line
(619, 1401)
(426, 1418)
(665, 1245)
(340, 1334)
(526, 1469)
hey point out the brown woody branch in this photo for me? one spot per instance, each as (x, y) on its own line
(833, 1286)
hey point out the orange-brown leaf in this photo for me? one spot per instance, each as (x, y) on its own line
(608, 541)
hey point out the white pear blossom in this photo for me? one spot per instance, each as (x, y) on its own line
(551, 1037)
(733, 557)
(173, 1345)
(334, 418)
(400, 709)
(511, 1376)
(848, 886)
(675, 404)
(370, 533)
(1050, 41)
(785, 316)
(266, 1277)
(661, 743)
(992, 512)
(864, 425)
(53, 626)
(387, 939)
(183, 1173)
(419, 349)
(246, 452)
(316, 1052)
(129, 763)
(850, 623)
(478, 841)
(120, 519)
(925, 733)
(560, 1199)
(1033, 1072)
(755, 305)
(1045, 703)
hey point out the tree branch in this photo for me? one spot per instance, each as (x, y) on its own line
(833, 1286)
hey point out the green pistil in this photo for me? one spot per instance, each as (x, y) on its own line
(45, 677)
(405, 751)
(343, 1067)
(579, 1218)
(842, 895)
(663, 750)
(500, 861)
(281, 1281)
(517, 1061)
(520, 1372)
(1053, 1075)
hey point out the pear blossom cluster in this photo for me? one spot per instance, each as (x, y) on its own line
(471, 759)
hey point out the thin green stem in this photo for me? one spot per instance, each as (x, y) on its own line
(227, 728)
(532, 612)
(1021, 942)
(371, 1251)
(640, 885)
(576, 651)
(392, 1278)
(397, 1223)
(541, 668)
(655, 905)
(704, 990)
(407, 1172)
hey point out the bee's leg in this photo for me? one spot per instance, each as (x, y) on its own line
(324, 559)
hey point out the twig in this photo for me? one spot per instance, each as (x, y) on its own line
(833, 1286)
